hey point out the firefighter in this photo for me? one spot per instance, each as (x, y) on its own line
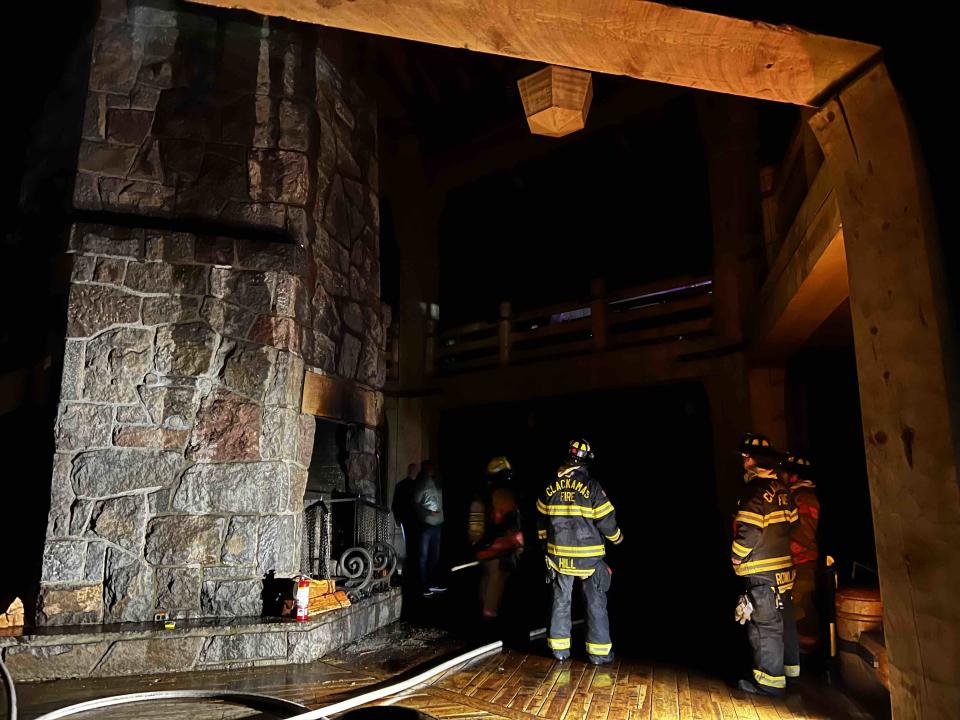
(796, 472)
(761, 556)
(494, 532)
(575, 516)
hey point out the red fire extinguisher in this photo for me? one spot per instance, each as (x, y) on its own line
(303, 599)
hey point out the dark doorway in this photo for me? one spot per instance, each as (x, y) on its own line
(673, 591)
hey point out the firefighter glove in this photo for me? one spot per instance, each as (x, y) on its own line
(743, 611)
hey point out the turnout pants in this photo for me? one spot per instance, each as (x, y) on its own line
(804, 604)
(494, 575)
(594, 590)
(772, 632)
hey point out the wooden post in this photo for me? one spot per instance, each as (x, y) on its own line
(728, 394)
(768, 206)
(504, 328)
(429, 347)
(767, 401)
(907, 373)
(730, 131)
(598, 314)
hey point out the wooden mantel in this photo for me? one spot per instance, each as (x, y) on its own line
(643, 40)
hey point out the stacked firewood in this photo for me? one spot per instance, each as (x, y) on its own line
(324, 597)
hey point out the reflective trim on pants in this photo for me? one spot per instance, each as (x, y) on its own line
(774, 681)
(766, 631)
(595, 605)
(791, 671)
(558, 643)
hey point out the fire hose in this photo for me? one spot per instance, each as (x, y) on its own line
(378, 692)
(11, 691)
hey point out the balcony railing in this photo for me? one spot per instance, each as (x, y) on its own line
(666, 311)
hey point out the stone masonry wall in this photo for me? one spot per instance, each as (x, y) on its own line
(181, 453)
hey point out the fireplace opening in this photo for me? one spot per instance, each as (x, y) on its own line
(346, 524)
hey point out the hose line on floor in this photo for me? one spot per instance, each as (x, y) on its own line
(256, 700)
(240, 698)
(11, 691)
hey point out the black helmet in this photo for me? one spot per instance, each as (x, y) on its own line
(796, 464)
(499, 466)
(759, 448)
(580, 450)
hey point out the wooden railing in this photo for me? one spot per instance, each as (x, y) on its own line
(665, 311)
(784, 187)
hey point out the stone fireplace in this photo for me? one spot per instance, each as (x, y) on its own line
(227, 178)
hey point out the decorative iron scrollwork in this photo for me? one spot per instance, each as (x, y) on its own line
(356, 567)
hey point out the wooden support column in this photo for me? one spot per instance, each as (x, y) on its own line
(729, 128)
(504, 332)
(907, 367)
(767, 401)
(729, 400)
(598, 314)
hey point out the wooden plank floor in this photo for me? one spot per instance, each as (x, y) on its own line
(514, 685)
(518, 685)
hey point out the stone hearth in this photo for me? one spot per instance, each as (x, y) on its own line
(134, 648)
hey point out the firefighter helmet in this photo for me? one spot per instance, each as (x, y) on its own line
(759, 448)
(580, 450)
(499, 464)
(796, 464)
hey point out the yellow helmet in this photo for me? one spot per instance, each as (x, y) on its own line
(797, 464)
(757, 446)
(497, 465)
(580, 449)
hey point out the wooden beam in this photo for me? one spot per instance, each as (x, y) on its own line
(555, 376)
(808, 280)
(643, 40)
(907, 372)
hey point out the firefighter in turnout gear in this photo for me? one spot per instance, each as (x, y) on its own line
(574, 518)
(761, 556)
(796, 472)
(494, 532)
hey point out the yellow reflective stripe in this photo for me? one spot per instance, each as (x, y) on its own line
(569, 510)
(571, 551)
(603, 510)
(558, 643)
(599, 649)
(575, 572)
(757, 566)
(769, 561)
(775, 681)
(750, 518)
(791, 670)
(542, 534)
(615, 536)
(781, 516)
(741, 550)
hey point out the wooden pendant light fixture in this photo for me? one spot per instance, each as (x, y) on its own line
(556, 100)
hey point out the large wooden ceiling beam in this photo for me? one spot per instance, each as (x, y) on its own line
(643, 40)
